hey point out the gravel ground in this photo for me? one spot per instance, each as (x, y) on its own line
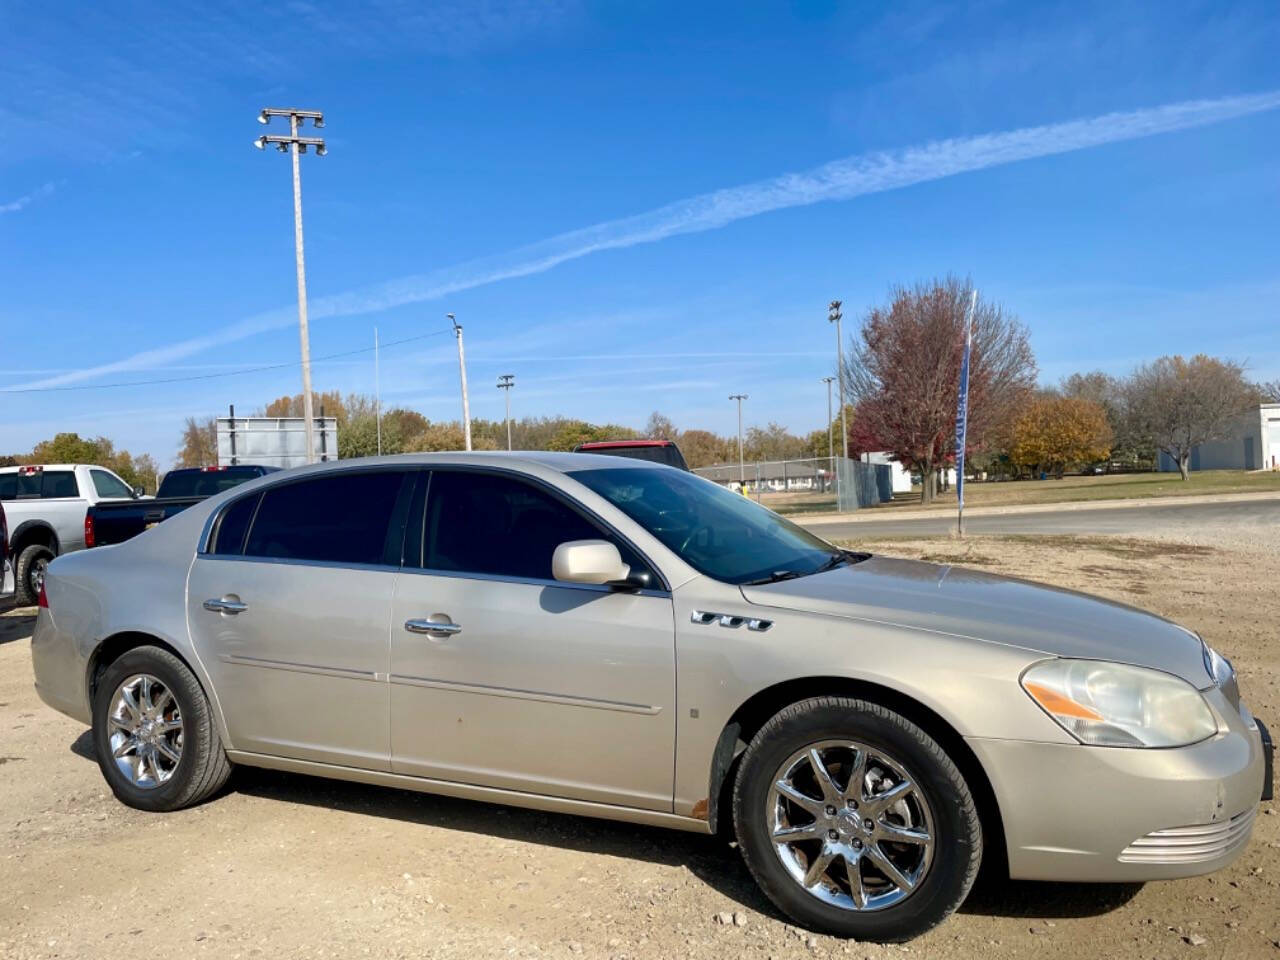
(290, 866)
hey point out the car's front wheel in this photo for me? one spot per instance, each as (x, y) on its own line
(855, 822)
(154, 733)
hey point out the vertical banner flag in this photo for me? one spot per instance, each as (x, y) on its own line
(962, 405)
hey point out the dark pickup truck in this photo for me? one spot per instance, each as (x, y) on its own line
(115, 522)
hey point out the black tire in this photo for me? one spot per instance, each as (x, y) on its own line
(203, 767)
(957, 850)
(32, 562)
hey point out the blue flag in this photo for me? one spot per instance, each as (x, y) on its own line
(962, 403)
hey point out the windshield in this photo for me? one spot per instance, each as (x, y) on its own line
(715, 531)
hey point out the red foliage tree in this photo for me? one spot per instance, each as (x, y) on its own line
(903, 372)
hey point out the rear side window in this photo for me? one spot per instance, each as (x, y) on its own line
(228, 538)
(336, 518)
(109, 486)
(8, 486)
(495, 525)
(58, 483)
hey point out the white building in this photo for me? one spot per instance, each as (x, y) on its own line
(1254, 444)
(901, 476)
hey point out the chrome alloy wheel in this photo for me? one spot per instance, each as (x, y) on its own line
(850, 825)
(145, 731)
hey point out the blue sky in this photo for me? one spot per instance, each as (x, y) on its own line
(630, 207)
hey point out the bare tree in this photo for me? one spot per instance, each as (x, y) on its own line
(1181, 403)
(903, 372)
(1269, 392)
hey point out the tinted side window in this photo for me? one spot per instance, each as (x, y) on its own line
(337, 518)
(109, 486)
(501, 526)
(9, 486)
(59, 483)
(228, 537)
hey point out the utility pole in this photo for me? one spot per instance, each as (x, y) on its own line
(833, 316)
(505, 383)
(377, 392)
(296, 145)
(742, 467)
(462, 369)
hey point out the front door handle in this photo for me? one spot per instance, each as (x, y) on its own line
(227, 604)
(433, 628)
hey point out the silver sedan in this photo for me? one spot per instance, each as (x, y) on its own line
(619, 639)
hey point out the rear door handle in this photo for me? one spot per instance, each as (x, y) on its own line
(433, 628)
(226, 605)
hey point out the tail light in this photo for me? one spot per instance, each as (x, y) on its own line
(88, 529)
(42, 599)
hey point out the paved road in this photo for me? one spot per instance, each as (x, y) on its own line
(1261, 517)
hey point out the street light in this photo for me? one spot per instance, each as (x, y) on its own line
(299, 146)
(833, 316)
(505, 382)
(742, 467)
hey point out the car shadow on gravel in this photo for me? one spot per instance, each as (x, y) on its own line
(710, 859)
(17, 624)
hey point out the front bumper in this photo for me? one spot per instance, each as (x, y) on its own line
(1098, 814)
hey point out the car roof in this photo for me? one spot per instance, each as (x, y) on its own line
(610, 444)
(53, 466)
(558, 461)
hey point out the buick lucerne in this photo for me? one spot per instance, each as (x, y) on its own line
(615, 638)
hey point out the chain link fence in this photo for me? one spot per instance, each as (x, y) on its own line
(807, 486)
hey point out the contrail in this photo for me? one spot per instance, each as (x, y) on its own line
(838, 180)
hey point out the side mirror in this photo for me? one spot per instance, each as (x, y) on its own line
(138, 492)
(588, 561)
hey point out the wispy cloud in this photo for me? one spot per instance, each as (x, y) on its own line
(838, 180)
(13, 206)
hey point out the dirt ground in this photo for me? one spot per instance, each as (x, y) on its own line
(289, 866)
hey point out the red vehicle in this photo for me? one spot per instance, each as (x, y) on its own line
(655, 451)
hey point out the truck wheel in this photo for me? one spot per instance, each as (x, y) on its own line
(855, 822)
(33, 561)
(153, 731)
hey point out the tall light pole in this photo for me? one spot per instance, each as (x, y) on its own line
(505, 383)
(833, 316)
(831, 447)
(296, 145)
(742, 466)
(462, 369)
(378, 396)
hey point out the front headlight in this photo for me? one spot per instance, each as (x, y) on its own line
(1117, 705)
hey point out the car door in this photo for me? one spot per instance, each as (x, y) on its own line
(288, 609)
(527, 683)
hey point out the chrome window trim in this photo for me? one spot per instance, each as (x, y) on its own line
(210, 522)
(292, 562)
(530, 581)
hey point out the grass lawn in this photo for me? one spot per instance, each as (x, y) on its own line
(1121, 486)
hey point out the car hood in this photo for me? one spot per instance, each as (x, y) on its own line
(996, 609)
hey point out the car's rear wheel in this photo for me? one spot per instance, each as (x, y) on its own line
(33, 561)
(154, 733)
(855, 822)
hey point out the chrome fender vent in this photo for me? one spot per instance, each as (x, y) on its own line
(730, 620)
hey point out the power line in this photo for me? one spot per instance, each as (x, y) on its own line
(215, 376)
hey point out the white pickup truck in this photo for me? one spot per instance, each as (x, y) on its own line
(45, 507)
